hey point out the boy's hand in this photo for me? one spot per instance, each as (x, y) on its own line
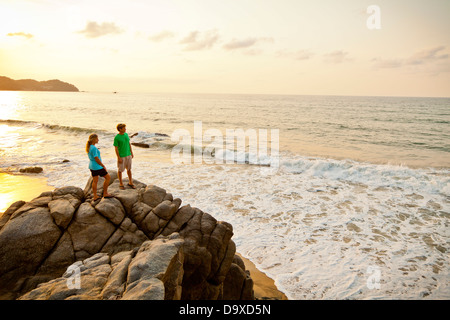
(120, 160)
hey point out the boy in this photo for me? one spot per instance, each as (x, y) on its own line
(124, 154)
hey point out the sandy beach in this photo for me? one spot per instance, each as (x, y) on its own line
(263, 286)
(27, 187)
(20, 187)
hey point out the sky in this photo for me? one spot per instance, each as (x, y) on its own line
(323, 47)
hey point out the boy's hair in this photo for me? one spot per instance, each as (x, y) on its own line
(120, 126)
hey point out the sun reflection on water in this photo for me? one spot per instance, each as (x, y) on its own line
(8, 136)
(9, 104)
(15, 187)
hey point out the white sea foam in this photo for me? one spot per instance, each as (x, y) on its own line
(316, 229)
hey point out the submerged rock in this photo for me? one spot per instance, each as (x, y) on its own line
(31, 170)
(140, 144)
(141, 244)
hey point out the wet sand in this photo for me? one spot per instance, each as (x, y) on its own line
(27, 187)
(20, 187)
(263, 286)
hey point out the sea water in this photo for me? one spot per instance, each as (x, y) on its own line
(357, 207)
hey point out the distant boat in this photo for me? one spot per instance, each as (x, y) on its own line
(115, 92)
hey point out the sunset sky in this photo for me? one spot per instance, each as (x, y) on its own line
(230, 46)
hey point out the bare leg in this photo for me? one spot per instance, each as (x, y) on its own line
(119, 175)
(130, 177)
(105, 185)
(94, 187)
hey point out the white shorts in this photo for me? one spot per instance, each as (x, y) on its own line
(126, 164)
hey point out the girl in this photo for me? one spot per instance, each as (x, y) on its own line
(97, 167)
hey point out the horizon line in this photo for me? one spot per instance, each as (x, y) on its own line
(236, 93)
(267, 94)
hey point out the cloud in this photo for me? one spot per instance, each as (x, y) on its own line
(237, 44)
(297, 55)
(253, 52)
(197, 40)
(425, 57)
(336, 57)
(95, 30)
(245, 43)
(161, 36)
(387, 63)
(303, 55)
(20, 34)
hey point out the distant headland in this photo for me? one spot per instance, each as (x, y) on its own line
(34, 85)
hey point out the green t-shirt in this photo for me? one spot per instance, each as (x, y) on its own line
(123, 142)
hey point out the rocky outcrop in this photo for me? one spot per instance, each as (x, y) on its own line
(33, 85)
(140, 244)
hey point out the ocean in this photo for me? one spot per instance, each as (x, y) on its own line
(337, 198)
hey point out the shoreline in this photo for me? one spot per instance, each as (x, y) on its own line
(263, 286)
(15, 187)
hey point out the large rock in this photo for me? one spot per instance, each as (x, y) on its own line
(111, 209)
(140, 244)
(238, 284)
(62, 211)
(160, 264)
(25, 242)
(89, 231)
(154, 271)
